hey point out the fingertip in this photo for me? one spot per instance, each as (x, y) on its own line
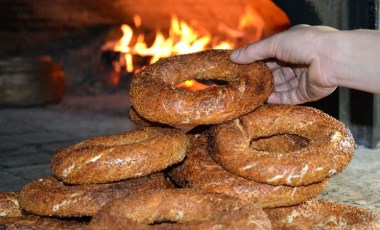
(255, 51)
(274, 98)
(234, 55)
(243, 55)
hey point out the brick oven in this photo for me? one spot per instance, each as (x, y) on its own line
(86, 56)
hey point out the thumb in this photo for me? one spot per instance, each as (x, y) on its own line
(256, 51)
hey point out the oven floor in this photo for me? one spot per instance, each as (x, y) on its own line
(30, 136)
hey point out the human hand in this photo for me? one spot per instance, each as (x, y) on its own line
(299, 60)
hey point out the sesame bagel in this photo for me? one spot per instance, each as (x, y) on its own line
(155, 97)
(329, 149)
(50, 197)
(111, 158)
(9, 205)
(32, 222)
(199, 171)
(179, 209)
(323, 214)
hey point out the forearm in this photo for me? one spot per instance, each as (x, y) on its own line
(355, 63)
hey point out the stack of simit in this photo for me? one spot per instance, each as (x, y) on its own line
(247, 165)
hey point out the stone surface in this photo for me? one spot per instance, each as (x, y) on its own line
(359, 183)
(30, 136)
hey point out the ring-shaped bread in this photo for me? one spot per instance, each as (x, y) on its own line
(323, 214)
(103, 159)
(50, 197)
(32, 222)
(179, 209)
(13, 217)
(139, 120)
(155, 97)
(9, 205)
(329, 150)
(199, 171)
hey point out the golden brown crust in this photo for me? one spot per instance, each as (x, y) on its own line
(279, 143)
(323, 215)
(111, 158)
(37, 222)
(139, 120)
(9, 205)
(329, 150)
(183, 208)
(199, 171)
(50, 197)
(13, 217)
(155, 97)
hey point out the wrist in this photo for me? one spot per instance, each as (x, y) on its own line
(355, 58)
(329, 57)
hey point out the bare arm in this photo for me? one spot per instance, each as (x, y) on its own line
(309, 62)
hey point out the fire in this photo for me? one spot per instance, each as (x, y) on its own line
(181, 39)
(192, 85)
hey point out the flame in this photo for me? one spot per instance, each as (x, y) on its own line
(181, 39)
(251, 19)
(192, 85)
